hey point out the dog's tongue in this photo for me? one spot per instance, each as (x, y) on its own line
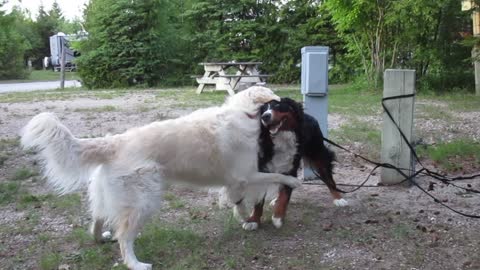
(274, 130)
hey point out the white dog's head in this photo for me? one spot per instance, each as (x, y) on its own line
(251, 99)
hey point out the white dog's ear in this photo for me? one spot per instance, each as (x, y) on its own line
(261, 94)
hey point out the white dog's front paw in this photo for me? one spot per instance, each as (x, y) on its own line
(277, 222)
(340, 202)
(140, 266)
(250, 226)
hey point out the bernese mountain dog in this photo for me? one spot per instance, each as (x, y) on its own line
(288, 135)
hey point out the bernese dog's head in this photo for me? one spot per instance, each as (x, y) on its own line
(283, 115)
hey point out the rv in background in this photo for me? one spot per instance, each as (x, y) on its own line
(56, 43)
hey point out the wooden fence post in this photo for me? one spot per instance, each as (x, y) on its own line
(394, 149)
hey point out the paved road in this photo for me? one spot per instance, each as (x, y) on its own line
(32, 86)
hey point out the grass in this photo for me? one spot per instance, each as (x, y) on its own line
(43, 76)
(23, 173)
(365, 133)
(452, 155)
(435, 112)
(173, 201)
(50, 261)
(9, 192)
(106, 108)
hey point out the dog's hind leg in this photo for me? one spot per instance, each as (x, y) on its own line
(96, 199)
(325, 171)
(127, 230)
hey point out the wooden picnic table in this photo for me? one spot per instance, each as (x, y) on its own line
(242, 73)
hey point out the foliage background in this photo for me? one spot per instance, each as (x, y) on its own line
(160, 42)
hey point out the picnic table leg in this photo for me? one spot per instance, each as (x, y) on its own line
(235, 82)
(200, 88)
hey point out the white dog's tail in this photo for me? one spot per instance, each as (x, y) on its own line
(67, 161)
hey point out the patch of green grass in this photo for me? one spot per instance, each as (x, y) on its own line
(460, 102)
(231, 263)
(9, 192)
(401, 231)
(451, 155)
(173, 201)
(5, 143)
(64, 202)
(23, 173)
(65, 94)
(435, 112)
(171, 248)
(49, 75)
(106, 108)
(43, 237)
(360, 131)
(50, 261)
(143, 108)
(81, 236)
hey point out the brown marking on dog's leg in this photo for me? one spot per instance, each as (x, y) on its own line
(257, 212)
(281, 204)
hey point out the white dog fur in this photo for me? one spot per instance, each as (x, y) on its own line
(125, 173)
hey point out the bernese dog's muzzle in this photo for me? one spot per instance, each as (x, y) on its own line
(273, 120)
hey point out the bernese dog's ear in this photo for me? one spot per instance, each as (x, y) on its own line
(296, 106)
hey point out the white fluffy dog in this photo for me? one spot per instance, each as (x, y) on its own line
(124, 173)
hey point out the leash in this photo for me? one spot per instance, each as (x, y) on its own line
(402, 171)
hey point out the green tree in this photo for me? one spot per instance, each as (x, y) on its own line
(12, 48)
(266, 31)
(129, 43)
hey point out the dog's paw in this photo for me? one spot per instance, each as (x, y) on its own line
(340, 202)
(107, 235)
(277, 222)
(140, 266)
(250, 226)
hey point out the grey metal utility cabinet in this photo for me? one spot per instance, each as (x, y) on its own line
(314, 87)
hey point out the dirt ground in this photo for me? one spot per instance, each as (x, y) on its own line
(382, 228)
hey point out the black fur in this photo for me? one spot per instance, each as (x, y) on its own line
(266, 152)
(310, 140)
(315, 150)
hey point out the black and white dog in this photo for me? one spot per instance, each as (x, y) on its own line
(288, 135)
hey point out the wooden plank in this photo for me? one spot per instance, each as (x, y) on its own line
(394, 149)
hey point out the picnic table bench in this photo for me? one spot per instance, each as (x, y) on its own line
(216, 73)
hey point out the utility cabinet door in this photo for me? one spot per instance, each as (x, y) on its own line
(314, 70)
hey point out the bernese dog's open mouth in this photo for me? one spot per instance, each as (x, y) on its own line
(273, 128)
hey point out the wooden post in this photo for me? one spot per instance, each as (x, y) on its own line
(394, 149)
(468, 5)
(62, 67)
